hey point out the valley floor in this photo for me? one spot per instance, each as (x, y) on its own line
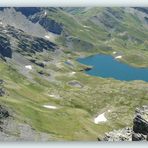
(66, 103)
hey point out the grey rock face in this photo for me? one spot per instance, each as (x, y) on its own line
(2, 91)
(119, 135)
(140, 127)
(138, 137)
(5, 48)
(19, 21)
(21, 41)
(3, 112)
(48, 23)
(27, 11)
(139, 132)
(35, 44)
(143, 9)
(11, 130)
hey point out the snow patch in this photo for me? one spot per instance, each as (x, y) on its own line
(114, 52)
(50, 106)
(100, 118)
(47, 36)
(45, 13)
(72, 73)
(54, 96)
(118, 57)
(86, 26)
(28, 67)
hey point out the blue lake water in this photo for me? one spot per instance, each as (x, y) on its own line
(107, 67)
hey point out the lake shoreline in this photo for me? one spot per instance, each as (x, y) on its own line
(110, 64)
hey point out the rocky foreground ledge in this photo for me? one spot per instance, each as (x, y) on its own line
(139, 131)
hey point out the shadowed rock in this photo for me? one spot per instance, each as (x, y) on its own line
(3, 112)
(2, 92)
(139, 132)
(140, 128)
(48, 23)
(5, 48)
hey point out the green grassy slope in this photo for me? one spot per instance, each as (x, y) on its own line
(105, 30)
(78, 106)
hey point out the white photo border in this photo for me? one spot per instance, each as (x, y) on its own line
(74, 3)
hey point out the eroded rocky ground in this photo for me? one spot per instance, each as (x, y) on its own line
(12, 130)
(139, 131)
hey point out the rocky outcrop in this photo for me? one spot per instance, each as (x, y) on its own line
(10, 16)
(27, 11)
(119, 135)
(139, 131)
(3, 112)
(12, 130)
(33, 44)
(5, 48)
(21, 42)
(48, 23)
(75, 83)
(142, 9)
(86, 69)
(2, 92)
(140, 127)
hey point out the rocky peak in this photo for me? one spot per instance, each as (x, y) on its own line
(49, 24)
(9, 16)
(139, 131)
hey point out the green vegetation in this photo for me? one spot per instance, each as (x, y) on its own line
(117, 30)
(77, 107)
